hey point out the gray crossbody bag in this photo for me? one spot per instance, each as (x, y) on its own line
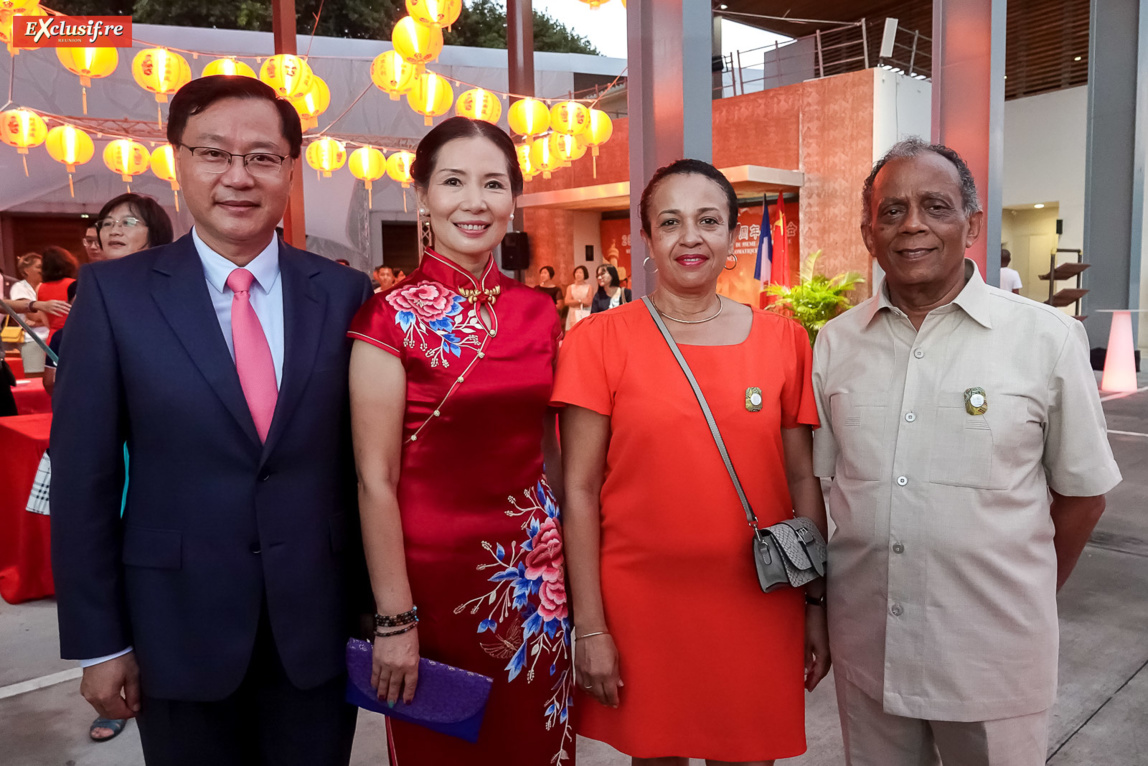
(790, 553)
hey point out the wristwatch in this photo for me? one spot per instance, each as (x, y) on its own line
(811, 601)
(30, 305)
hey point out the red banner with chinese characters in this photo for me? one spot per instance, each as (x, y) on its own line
(738, 283)
(71, 32)
(616, 244)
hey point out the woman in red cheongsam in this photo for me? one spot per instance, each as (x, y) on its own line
(450, 384)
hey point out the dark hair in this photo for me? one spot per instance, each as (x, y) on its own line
(686, 167)
(615, 280)
(1006, 257)
(914, 147)
(57, 264)
(379, 269)
(549, 269)
(460, 127)
(585, 271)
(159, 231)
(26, 260)
(198, 95)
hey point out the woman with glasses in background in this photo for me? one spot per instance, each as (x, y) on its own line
(126, 224)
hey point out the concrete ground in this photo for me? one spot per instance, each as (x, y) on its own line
(1099, 718)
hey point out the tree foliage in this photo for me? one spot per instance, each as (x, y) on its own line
(482, 23)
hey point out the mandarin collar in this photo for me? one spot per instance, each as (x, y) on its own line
(442, 269)
(973, 298)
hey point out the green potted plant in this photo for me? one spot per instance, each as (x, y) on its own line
(815, 299)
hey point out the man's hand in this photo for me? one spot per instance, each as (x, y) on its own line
(113, 687)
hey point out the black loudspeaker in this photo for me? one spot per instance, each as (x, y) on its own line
(589, 252)
(515, 251)
(1059, 225)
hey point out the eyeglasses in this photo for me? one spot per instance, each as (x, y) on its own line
(212, 160)
(90, 242)
(129, 222)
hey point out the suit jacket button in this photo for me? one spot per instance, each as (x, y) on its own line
(255, 549)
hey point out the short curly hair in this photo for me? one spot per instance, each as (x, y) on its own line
(914, 147)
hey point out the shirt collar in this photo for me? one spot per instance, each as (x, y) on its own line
(973, 298)
(449, 273)
(264, 267)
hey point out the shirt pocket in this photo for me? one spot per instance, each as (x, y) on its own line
(859, 427)
(983, 451)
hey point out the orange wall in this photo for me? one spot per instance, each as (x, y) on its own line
(821, 127)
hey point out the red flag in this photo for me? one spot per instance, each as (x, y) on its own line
(779, 270)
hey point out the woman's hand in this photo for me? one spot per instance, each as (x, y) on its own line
(596, 661)
(817, 659)
(55, 308)
(395, 667)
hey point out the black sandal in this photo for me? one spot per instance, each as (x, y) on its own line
(115, 724)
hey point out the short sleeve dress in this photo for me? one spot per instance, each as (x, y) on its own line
(713, 668)
(481, 529)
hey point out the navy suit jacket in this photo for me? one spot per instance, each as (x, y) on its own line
(216, 523)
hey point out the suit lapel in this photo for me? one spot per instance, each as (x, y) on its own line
(304, 311)
(180, 290)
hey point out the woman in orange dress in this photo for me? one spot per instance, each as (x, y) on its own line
(678, 650)
(58, 270)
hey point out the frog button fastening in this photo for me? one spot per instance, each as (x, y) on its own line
(753, 399)
(976, 403)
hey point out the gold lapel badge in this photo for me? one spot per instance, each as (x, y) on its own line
(753, 399)
(976, 403)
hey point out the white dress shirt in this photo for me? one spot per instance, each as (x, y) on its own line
(266, 299)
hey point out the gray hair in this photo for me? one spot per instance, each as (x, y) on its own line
(914, 147)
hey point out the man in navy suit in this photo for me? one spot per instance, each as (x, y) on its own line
(216, 609)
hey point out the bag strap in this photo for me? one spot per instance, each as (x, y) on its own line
(749, 514)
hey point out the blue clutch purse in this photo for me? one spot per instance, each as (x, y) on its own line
(448, 700)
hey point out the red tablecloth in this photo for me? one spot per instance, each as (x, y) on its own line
(25, 547)
(31, 398)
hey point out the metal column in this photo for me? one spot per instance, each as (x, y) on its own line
(1114, 170)
(520, 46)
(669, 99)
(294, 220)
(968, 105)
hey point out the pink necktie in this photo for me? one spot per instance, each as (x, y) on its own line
(252, 353)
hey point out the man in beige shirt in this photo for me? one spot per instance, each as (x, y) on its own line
(963, 431)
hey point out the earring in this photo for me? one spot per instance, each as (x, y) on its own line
(734, 266)
(423, 212)
(512, 216)
(646, 266)
(427, 237)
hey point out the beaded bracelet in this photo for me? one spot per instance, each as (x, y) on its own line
(398, 632)
(397, 620)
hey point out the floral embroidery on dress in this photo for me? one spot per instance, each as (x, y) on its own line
(527, 615)
(428, 314)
